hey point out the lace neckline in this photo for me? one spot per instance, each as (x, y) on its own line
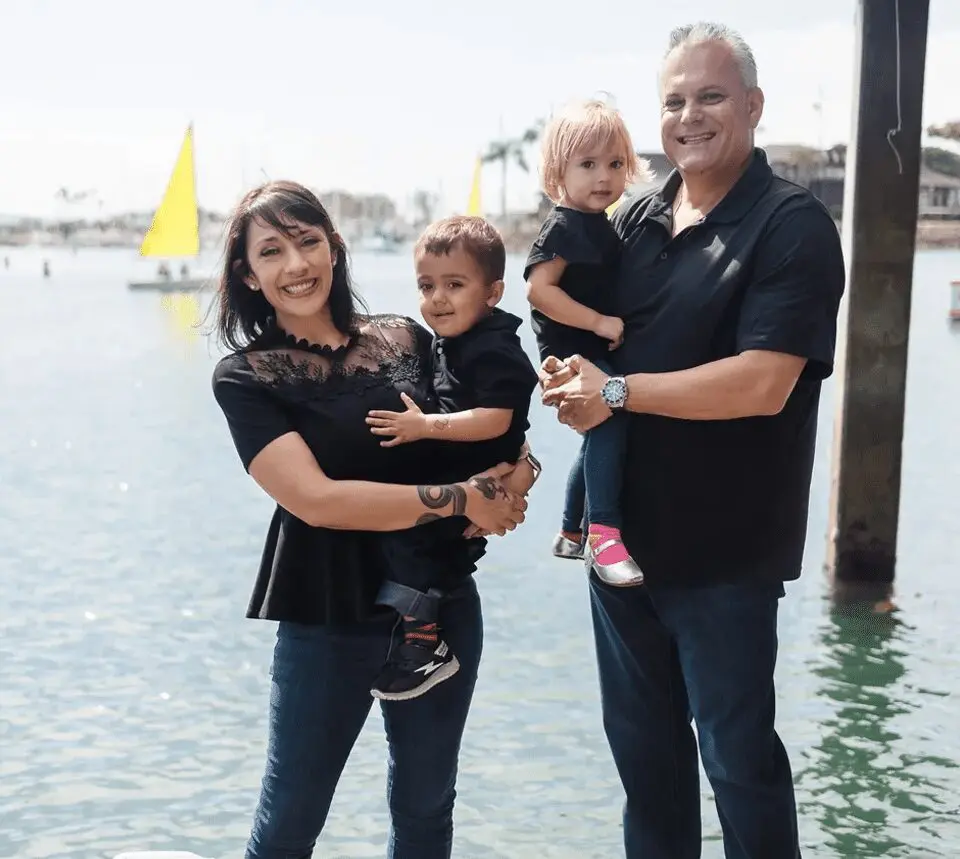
(305, 345)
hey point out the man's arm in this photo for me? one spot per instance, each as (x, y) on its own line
(786, 327)
(750, 384)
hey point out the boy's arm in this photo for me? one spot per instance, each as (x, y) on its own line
(413, 424)
(469, 425)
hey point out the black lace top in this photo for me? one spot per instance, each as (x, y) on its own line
(279, 385)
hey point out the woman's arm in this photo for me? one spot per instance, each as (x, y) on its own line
(288, 472)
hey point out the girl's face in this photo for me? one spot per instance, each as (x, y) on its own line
(293, 270)
(594, 178)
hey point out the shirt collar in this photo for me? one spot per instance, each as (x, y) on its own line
(739, 200)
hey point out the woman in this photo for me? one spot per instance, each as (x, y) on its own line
(305, 370)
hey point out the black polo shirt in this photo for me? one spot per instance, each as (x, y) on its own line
(590, 246)
(485, 368)
(714, 501)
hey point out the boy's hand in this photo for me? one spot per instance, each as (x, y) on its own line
(610, 328)
(403, 426)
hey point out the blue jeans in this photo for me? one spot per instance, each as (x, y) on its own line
(319, 700)
(596, 477)
(667, 655)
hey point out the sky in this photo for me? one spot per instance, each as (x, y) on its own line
(376, 96)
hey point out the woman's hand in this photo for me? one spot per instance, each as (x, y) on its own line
(519, 481)
(490, 506)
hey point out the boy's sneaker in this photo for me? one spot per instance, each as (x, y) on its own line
(414, 668)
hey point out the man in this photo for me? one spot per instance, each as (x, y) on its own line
(729, 290)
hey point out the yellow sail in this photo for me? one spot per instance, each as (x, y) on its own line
(175, 231)
(474, 206)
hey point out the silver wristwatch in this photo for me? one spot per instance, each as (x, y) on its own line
(614, 392)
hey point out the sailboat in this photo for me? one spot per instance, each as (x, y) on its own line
(175, 230)
(474, 202)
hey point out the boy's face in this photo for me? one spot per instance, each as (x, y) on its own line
(454, 294)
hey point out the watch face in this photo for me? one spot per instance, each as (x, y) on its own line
(614, 392)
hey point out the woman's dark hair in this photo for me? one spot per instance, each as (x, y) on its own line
(243, 313)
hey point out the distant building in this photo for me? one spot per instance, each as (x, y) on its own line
(821, 171)
(939, 195)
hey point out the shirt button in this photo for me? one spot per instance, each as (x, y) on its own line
(663, 255)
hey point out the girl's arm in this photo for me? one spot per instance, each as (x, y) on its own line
(545, 295)
(288, 472)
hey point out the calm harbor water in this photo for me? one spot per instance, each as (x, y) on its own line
(133, 691)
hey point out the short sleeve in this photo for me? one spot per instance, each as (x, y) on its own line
(254, 416)
(502, 375)
(793, 298)
(564, 234)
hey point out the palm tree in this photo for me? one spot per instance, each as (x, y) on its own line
(512, 149)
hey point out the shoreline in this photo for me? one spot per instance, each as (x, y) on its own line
(517, 237)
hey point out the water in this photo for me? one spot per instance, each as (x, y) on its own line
(133, 691)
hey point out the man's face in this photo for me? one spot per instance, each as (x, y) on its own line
(707, 115)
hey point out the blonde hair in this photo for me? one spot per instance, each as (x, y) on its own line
(579, 126)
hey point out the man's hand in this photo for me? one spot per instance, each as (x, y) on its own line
(403, 426)
(578, 400)
(553, 373)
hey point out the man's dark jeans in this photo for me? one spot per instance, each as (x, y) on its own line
(319, 701)
(667, 655)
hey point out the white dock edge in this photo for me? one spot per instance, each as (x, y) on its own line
(158, 854)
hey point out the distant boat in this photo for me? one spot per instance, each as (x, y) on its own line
(377, 243)
(175, 230)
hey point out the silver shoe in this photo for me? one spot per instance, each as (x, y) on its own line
(566, 548)
(622, 574)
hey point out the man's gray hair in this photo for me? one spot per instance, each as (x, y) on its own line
(706, 31)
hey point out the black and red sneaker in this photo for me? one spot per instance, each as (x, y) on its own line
(415, 666)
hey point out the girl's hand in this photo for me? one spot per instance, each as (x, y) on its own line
(610, 328)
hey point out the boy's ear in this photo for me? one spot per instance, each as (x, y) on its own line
(496, 293)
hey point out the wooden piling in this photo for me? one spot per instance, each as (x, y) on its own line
(879, 227)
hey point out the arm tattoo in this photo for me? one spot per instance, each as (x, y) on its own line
(489, 487)
(442, 423)
(438, 497)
